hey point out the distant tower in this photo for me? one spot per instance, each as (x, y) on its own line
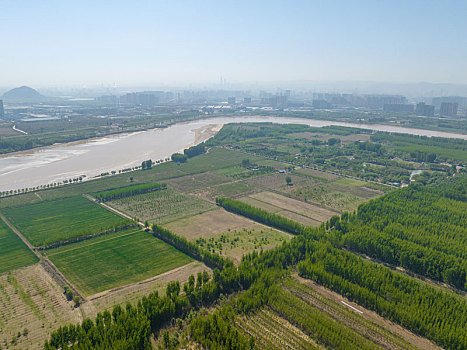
(2, 111)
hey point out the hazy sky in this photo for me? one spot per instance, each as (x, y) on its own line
(178, 42)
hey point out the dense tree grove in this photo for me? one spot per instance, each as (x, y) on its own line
(438, 314)
(260, 215)
(128, 191)
(419, 228)
(146, 164)
(179, 158)
(195, 150)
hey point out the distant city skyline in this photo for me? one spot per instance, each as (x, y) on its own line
(157, 43)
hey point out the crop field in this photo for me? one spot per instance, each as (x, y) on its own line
(162, 206)
(34, 305)
(305, 213)
(232, 190)
(341, 194)
(195, 182)
(13, 252)
(276, 182)
(209, 224)
(271, 331)
(118, 259)
(48, 222)
(235, 243)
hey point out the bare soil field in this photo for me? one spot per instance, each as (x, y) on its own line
(30, 299)
(307, 210)
(209, 224)
(276, 182)
(133, 292)
(317, 174)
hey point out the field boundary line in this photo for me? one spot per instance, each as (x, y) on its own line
(104, 293)
(88, 245)
(108, 207)
(46, 263)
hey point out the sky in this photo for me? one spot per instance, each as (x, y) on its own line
(51, 43)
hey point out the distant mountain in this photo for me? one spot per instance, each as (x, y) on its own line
(23, 93)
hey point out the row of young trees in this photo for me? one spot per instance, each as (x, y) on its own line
(190, 248)
(128, 191)
(260, 215)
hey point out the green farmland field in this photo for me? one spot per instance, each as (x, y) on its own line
(115, 259)
(13, 252)
(48, 222)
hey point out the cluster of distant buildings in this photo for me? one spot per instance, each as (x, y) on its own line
(2, 110)
(447, 109)
(444, 106)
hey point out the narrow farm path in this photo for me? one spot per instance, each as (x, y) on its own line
(46, 263)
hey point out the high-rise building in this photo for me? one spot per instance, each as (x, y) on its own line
(449, 109)
(247, 100)
(231, 100)
(425, 110)
(2, 111)
(398, 108)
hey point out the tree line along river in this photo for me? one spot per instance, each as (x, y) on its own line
(93, 157)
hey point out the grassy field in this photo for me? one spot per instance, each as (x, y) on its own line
(118, 259)
(161, 206)
(48, 222)
(13, 252)
(134, 292)
(341, 194)
(231, 190)
(235, 243)
(209, 224)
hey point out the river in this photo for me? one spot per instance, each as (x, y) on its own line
(93, 157)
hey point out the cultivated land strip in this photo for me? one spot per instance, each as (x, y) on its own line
(46, 263)
(371, 316)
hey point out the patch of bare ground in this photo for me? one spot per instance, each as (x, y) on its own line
(276, 182)
(133, 292)
(271, 331)
(317, 174)
(31, 300)
(209, 224)
(303, 209)
(367, 323)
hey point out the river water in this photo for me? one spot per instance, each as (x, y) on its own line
(93, 157)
